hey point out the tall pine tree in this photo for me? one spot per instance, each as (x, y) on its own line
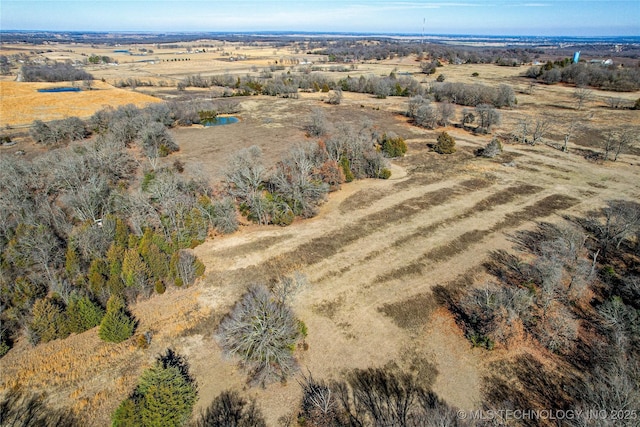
(116, 325)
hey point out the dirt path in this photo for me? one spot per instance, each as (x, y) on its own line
(377, 249)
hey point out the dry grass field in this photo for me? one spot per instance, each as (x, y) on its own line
(21, 102)
(373, 255)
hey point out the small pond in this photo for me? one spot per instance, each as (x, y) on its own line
(219, 121)
(60, 89)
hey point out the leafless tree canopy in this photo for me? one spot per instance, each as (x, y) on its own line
(262, 332)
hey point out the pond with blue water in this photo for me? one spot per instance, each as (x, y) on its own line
(220, 121)
(60, 89)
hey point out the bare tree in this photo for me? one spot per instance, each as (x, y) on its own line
(262, 332)
(574, 124)
(414, 103)
(491, 150)
(488, 116)
(287, 287)
(91, 200)
(614, 223)
(320, 404)
(157, 142)
(625, 139)
(446, 112)
(609, 143)
(225, 215)
(521, 132)
(185, 267)
(426, 116)
(558, 329)
(317, 125)
(541, 127)
(293, 179)
(245, 179)
(582, 95)
(505, 97)
(467, 117)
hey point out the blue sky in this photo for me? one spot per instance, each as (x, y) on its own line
(482, 17)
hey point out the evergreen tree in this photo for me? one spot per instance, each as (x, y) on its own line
(121, 236)
(72, 263)
(134, 270)
(393, 146)
(164, 397)
(156, 261)
(83, 314)
(116, 325)
(446, 144)
(115, 254)
(47, 323)
(97, 276)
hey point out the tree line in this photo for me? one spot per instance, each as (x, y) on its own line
(606, 77)
(57, 72)
(288, 84)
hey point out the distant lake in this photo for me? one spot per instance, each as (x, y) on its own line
(220, 121)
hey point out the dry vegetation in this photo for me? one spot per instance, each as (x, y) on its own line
(21, 101)
(373, 255)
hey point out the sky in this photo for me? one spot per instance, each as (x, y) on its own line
(586, 18)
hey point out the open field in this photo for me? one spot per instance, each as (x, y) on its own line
(21, 102)
(373, 254)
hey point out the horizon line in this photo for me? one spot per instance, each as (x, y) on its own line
(294, 32)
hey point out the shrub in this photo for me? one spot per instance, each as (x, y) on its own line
(263, 332)
(346, 169)
(492, 149)
(331, 174)
(159, 287)
(393, 146)
(446, 144)
(143, 340)
(116, 325)
(384, 174)
(4, 347)
(335, 97)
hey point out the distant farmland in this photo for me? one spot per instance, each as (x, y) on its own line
(21, 102)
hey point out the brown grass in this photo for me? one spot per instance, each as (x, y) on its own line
(411, 313)
(21, 103)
